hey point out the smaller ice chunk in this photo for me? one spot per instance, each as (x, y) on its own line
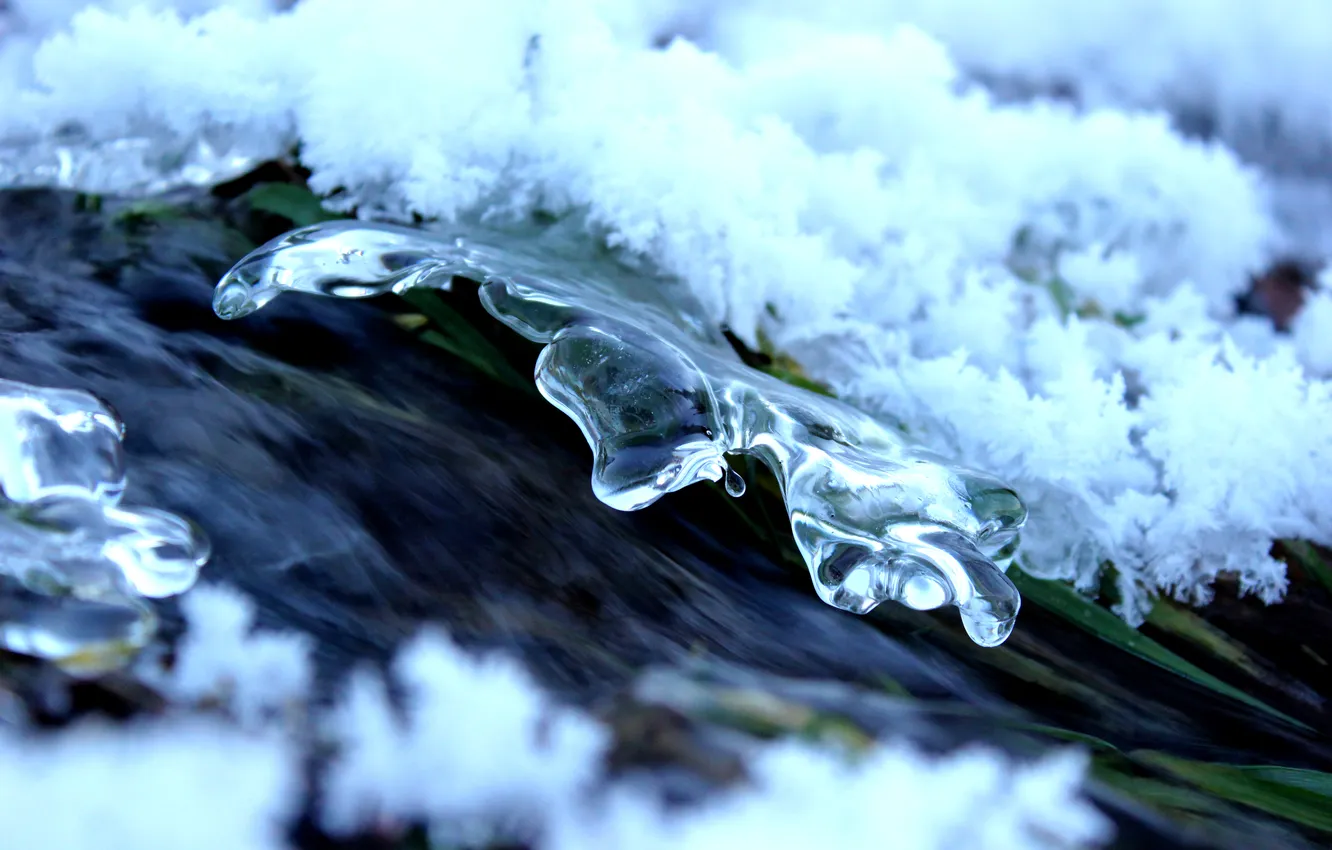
(76, 565)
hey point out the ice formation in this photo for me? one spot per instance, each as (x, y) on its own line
(75, 564)
(662, 400)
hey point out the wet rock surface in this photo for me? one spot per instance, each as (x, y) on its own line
(356, 501)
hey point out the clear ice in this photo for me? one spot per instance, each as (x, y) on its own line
(139, 165)
(663, 400)
(76, 567)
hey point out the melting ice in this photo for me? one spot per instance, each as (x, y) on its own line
(663, 401)
(76, 565)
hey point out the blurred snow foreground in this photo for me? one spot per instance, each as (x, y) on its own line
(478, 751)
(1044, 291)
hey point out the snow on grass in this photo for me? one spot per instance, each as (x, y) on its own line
(206, 779)
(183, 782)
(189, 779)
(222, 659)
(477, 750)
(894, 796)
(480, 750)
(1044, 290)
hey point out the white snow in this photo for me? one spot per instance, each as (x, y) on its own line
(894, 796)
(482, 750)
(1312, 340)
(219, 770)
(479, 740)
(1041, 288)
(223, 659)
(478, 750)
(183, 782)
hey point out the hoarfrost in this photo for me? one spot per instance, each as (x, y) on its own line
(826, 174)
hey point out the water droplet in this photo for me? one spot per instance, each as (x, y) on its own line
(661, 400)
(986, 627)
(232, 300)
(735, 485)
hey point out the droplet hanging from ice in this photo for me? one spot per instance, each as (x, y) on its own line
(662, 401)
(735, 485)
(76, 565)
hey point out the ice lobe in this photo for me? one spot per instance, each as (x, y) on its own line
(663, 401)
(75, 565)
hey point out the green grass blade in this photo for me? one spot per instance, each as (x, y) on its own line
(796, 379)
(1169, 617)
(455, 334)
(296, 203)
(1308, 559)
(1174, 800)
(1251, 787)
(1060, 734)
(147, 210)
(1064, 601)
(1314, 781)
